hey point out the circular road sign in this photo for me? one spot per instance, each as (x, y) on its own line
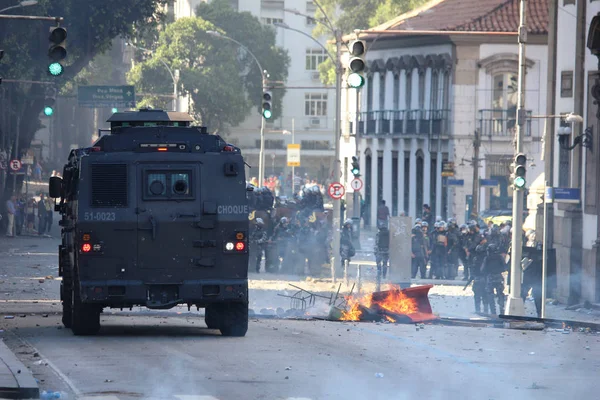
(15, 165)
(336, 190)
(356, 184)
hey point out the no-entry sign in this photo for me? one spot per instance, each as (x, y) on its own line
(336, 190)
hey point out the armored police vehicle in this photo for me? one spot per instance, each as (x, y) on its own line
(154, 214)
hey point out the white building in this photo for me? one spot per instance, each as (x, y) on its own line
(428, 94)
(308, 106)
(575, 228)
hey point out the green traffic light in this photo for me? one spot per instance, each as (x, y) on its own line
(114, 110)
(519, 182)
(356, 80)
(48, 111)
(355, 171)
(267, 114)
(55, 69)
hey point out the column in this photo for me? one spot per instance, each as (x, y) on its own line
(401, 206)
(387, 173)
(412, 199)
(438, 184)
(374, 148)
(427, 173)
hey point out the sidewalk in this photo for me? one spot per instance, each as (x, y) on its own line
(16, 381)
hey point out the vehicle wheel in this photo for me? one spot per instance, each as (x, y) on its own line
(85, 318)
(211, 317)
(234, 319)
(66, 288)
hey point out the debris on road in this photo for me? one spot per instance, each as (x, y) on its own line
(395, 305)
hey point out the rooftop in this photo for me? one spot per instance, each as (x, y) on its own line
(501, 16)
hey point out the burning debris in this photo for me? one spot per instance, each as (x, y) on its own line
(394, 305)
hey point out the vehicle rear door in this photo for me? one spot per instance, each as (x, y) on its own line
(168, 206)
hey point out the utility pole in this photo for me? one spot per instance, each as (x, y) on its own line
(515, 305)
(294, 168)
(475, 205)
(336, 160)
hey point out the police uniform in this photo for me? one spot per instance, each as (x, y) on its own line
(492, 269)
(259, 239)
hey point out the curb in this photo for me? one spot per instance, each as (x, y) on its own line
(16, 381)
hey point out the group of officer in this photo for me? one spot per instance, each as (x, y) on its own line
(294, 242)
(482, 252)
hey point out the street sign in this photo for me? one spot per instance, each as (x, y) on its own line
(455, 182)
(106, 96)
(293, 155)
(15, 165)
(447, 168)
(356, 184)
(489, 182)
(563, 195)
(336, 190)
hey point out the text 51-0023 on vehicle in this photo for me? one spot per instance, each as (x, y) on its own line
(154, 214)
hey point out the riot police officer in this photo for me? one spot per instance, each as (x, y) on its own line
(418, 252)
(258, 238)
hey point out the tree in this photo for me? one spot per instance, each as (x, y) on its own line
(357, 14)
(212, 69)
(91, 26)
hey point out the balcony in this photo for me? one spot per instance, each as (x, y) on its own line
(501, 123)
(423, 123)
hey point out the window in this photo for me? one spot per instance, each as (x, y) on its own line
(370, 93)
(382, 90)
(315, 145)
(408, 90)
(168, 185)
(311, 9)
(421, 89)
(567, 2)
(314, 57)
(271, 21)
(315, 104)
(435, 90)
(271, 144)
(396, 91)
(505, 92)
(566, 84)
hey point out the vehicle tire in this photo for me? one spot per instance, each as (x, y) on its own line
(211, 317)
(85, 319)
(234, 319)
(66, 287)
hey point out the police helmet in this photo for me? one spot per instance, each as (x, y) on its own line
(438, 218)
(492, 248)
(259, 221)
(436, 225)
(480, 248)
(424, 224)
(283, 220)
(418, 221)
(348, 222)
(463, 227)
(417, 229)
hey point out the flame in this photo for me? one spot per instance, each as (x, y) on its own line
(395, 301)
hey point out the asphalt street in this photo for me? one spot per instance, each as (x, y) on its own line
(172, 355)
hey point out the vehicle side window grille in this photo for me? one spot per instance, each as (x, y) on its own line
(109, 185)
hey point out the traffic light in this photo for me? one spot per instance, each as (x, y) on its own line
(114, 110)
(49, 102)
(267, 102)
(519, 173)
(355, 167)
(357, 64)
(57, 50)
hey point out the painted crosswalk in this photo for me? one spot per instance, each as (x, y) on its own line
(173, 397)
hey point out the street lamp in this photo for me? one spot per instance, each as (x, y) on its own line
(24, 3)
(337, 62)
(174, 74)
(263, 73)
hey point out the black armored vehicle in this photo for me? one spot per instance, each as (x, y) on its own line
(154, 214)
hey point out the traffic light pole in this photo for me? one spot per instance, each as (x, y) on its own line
(261, 153)
(515, 305)
(336, 161)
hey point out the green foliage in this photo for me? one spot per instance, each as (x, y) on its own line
(356, 14)
(91, 26)
(222, 79)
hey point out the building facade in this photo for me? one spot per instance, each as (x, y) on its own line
(308, 106)
(429, 99)
(575, 163)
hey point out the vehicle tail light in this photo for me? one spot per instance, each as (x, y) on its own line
(228, 148)
(86, 248)
(86, 237)
(162, 149)
(240, 246)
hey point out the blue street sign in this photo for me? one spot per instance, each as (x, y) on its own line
(489, 182)
(455, 182)
(548, 194)
(567, 195)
